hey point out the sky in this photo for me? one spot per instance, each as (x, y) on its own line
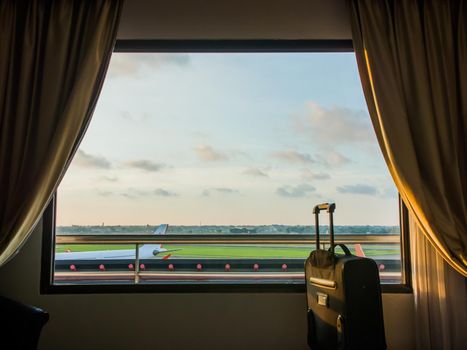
(228, 139)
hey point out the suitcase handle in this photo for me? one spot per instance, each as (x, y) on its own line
(329, 207)
(344, 248)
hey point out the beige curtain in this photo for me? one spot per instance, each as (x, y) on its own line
(440, 297)
(412, 58)
(53, 60)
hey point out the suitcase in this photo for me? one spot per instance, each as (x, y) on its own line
(343, 296)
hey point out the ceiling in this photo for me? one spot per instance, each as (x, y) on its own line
(239, 19)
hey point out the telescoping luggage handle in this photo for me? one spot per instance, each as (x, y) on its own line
(329, 207)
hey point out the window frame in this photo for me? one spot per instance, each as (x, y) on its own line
(173, 46)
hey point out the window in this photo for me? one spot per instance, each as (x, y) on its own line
(201, 169)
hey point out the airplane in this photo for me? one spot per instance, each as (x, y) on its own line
(146, 251)
(359, 251)
(380, 259)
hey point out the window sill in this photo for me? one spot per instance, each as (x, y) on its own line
(195, 288)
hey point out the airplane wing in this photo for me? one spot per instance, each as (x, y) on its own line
(146, 251)
(103, 255)
(167, 251)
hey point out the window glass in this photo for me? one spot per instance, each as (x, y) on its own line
(224, 144)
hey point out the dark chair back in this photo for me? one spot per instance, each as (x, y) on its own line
(20, 325)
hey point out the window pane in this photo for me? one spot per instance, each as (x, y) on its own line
(226, 144)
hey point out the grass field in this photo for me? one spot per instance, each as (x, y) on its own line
(229, 251)
(61, 248)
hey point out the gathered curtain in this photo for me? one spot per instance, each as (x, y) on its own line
(440, 297)
(53, 59)
(412, 59)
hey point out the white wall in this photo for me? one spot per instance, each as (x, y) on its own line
(177, 321)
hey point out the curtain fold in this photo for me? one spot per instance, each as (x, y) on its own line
(412, 59)
(440, 297)
(53, 60)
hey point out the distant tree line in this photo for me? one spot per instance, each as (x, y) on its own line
(212, 229)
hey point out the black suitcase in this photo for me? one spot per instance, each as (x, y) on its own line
(343, 297)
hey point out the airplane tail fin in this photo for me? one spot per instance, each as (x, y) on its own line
(359, 251)
(161, 230)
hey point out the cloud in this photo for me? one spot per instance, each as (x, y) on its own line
(359, 189)
(293, 156)
(308, 175)
(255, 172)
(108, 178)
(298, 191)
(104, 193)
(145, 192)
(208, 154)
(390, 192)
(141, 118)
(145, 164)
(328, 157)
(133, 64)
(86, 160)
(332, 158)
(219, 190)
(128, 195)
(335, 125)
(224, 190)
(164, 193)
(134, 193)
